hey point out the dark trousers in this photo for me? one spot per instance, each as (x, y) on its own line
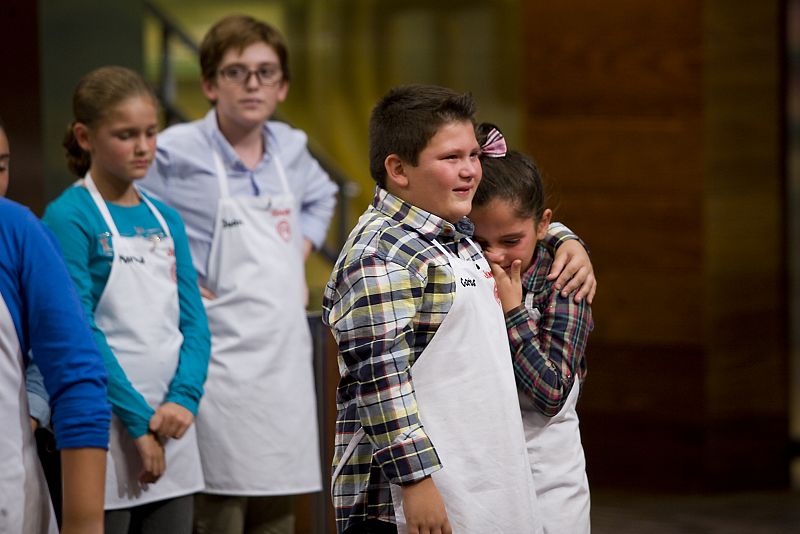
(170, 516)
(372, 526)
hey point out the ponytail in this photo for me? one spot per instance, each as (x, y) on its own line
(78, 160)
(95, 95)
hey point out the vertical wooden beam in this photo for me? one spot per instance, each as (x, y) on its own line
(745, 279)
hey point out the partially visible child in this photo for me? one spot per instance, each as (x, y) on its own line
(547, 332)
(429, 437)
(40, 312)
(38, 399)
(129, 258)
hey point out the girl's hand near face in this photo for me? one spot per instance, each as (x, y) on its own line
(572, 270)
(509, 283)
(151, 452)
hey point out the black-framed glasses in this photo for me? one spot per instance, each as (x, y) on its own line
(239, 74)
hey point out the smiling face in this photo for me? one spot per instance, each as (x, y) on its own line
(123, 143)
(505, 236)
(5, 160)
(243, 107)
(446, 175)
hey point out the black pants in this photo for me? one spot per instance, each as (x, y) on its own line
(170, 516)
(372, 526)
(51, 465)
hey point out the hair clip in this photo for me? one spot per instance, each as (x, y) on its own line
(495, 144)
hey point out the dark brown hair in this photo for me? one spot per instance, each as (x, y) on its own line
(514, 178)
(407, 117)
(239, 32)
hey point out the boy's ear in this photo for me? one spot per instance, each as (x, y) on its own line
(544, 222)
(81, 132)
(283, 91)
(395, 172)
(210, 90)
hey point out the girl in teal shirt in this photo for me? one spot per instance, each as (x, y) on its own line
(129, 258)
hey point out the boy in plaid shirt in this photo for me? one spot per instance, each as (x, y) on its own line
(411, 296)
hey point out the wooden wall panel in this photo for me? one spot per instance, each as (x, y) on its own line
(621, 58)
(658, 125)
(633, 190)
(747, 384)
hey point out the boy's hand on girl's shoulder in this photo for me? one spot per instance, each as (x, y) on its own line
(509, 284)
(424, 508)
(572, 270)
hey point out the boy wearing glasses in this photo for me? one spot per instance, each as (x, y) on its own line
(255, 203)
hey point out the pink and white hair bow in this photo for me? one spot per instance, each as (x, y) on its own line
(495, 144)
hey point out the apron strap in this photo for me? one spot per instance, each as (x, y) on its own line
(156, 213)
(281, 173)
(101, 204)
(88, 182)
(348, 453)
(222, 175)
(447, 251)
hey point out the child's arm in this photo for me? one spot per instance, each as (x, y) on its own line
(547, 351)
(572, 269)
(84, 476)
(174, 417)
(536, 376)
(38, 399)
(74, 374)
(371, 309)
(318, 197)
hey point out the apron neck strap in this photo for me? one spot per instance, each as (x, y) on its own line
(103, 208)
(222, 174)
(447, 252)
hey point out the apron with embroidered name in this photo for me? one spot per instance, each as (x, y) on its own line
(467, 401)
(24, 501)
(257, 421)
(139, 314)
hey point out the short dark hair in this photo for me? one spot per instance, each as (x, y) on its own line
(239, 32)
(514, 178)
(407, 117)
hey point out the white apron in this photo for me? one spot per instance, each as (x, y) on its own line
(257, 422)
(139, 314)
(467, 399)
(24, 501)
(559, 467)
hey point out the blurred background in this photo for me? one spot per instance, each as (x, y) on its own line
(669, 134)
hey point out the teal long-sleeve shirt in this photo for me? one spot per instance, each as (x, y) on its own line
(87, 246)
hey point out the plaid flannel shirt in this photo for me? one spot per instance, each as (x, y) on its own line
(389, 291)
(548, 337)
